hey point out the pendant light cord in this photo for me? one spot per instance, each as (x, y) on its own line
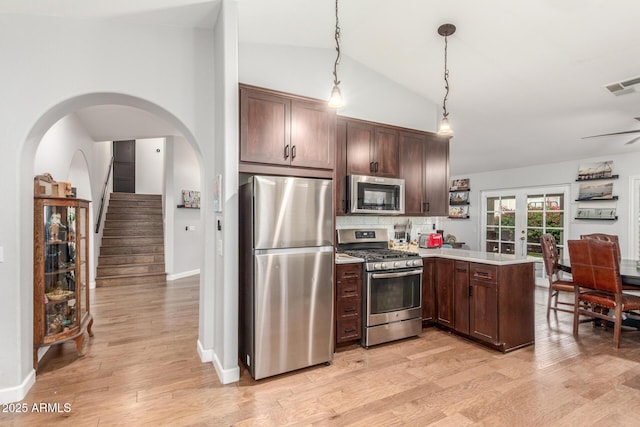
(336, 82)
(446, 81)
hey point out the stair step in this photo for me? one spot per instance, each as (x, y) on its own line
(126, 232)
(128, 269)
(137, 210)
(136, 279)
(133, 216)
(134, 196)
(131, 250)
(132, 240)
(127, 224)
(150, 258)
(131, 203)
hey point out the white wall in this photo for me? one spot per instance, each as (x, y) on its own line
(187, 245)
(552, 174)
(58, 66)
(308, 71)
(150, 154)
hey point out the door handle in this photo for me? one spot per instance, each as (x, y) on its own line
(425, 207)
(293, 152)
(372, 167)
(286, 151)
(376, 166)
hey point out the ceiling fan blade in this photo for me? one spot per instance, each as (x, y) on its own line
(632, 141)
(614, 133)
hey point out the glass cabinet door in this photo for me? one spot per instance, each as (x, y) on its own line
(60, 302)
(83, 274)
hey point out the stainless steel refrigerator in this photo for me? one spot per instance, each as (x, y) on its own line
(286, 274)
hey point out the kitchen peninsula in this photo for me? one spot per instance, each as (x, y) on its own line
(486, 297)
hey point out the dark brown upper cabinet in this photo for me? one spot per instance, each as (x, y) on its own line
(284, 130)
(424, 165)
(371, 149)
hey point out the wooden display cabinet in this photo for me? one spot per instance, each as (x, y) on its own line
(61, 308)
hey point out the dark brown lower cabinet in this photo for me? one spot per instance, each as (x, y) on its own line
(428, 290)
(493, 304)
(348, 302)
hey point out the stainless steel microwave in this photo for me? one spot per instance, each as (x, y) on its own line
(376, 195)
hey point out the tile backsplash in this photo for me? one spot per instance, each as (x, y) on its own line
(419, 225)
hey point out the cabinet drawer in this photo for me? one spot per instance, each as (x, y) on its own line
(348, 272)
(348, 308)
(350, 289)
(484, 273)
(348, 330)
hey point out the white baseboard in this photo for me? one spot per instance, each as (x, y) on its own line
(205, 355)
(16, 394)
(226, 376)
(183, 275)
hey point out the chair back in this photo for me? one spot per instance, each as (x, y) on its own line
(606, 238)
(595, 265)
(550, 254)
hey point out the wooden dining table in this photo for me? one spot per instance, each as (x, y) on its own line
(629, 272)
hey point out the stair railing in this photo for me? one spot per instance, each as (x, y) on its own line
(104, 195)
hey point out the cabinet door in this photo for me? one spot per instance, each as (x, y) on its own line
(360, 137)
(340, 182)
(444, 291)
(412, 146)
(312, 135)
(264, 128)
(484, 311)
(461, 297)
(436, 168)
(386, 153)
(428, 291)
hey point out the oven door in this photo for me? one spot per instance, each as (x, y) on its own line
(393, 296)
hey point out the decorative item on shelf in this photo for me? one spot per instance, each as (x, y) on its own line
(42, 185)
(597, 213)
(190, 199)
(459, 185)
(445, 30)
(596, 191)
(459, 211)
(459, 198)
(336, 100)
(597, 170)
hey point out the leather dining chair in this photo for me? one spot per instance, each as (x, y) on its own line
(605, 238)
(556, 284)
(595, 268)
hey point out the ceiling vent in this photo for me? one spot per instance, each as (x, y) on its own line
(623, 88)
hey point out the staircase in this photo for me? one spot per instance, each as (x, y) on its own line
(132, 250)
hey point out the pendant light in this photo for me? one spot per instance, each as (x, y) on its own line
(445, 30)
(336, 99)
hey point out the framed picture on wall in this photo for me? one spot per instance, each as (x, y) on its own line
(217, 194)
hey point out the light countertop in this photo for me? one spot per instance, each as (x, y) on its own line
(477, 256)
(347, 259)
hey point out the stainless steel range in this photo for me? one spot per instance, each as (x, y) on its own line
(392, 288)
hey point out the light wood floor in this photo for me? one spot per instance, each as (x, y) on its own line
(142, 368)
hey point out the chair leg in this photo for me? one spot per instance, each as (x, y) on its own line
(576, 312)
(549, 301)
(617, 326)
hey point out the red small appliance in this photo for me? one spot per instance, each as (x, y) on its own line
(433, 240)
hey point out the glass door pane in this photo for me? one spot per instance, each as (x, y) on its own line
(500, 232)
(545, 214)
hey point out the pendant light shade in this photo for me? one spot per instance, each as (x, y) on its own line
(445, 30)
(336, 99)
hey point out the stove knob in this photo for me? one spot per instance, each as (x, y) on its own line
(410, 263)
(397, 264)
(385, 266)
(377, 266)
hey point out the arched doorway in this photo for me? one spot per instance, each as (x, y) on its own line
(79, 165)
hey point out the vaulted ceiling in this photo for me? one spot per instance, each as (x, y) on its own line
(527, 78)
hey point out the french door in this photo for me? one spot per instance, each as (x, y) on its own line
(513, 220)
